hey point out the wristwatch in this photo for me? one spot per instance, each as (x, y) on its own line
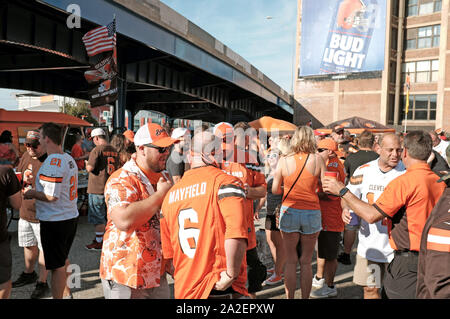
(343, 191)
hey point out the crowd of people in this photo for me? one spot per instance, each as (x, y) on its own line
(183, 203)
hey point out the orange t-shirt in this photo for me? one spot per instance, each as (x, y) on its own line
(331, 209)
(198, 214)
(77, 151)
(303, 195)
(407, 201)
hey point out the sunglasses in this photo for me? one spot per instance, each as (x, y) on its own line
(274, 155)
(31, 146)
(320, 150)
(161, 150)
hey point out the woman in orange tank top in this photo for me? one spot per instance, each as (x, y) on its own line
(300, 217)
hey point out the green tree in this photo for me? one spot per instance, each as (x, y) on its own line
(81, 110)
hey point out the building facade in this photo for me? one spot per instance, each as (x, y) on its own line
(416, 43)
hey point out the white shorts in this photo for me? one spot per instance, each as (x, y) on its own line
(29, 234)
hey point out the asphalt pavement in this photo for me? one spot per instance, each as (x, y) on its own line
(87, 284)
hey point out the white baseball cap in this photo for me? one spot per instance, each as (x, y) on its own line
(152, 133)
(179, 132)
(97, 131)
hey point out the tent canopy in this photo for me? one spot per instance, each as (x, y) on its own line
(272, 125)
(40, 117)
(356, 125)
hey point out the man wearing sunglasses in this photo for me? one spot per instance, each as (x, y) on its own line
(29, 228)
(131, 264)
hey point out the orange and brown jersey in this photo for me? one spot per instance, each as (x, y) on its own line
(331, 208)
(105, 160)
(407, 202)
(200, 212)
(433, 275)
(251, 175)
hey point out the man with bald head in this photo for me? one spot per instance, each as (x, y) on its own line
(204, 228)
(367, 183)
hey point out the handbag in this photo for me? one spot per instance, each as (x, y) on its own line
(278, 208)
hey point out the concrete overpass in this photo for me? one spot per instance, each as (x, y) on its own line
(167, 63)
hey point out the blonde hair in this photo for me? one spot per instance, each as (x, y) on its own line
(303, 140)
(284, 146)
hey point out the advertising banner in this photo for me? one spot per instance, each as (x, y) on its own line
(342, 36)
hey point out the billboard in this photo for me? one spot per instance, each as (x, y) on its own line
(342, 36)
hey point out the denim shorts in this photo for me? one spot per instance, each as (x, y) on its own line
(303, 221)
(96, 209)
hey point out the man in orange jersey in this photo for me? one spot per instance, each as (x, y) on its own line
(407, 202)
(203, 228)
(239, 163)
(332, 225)
(131, 263)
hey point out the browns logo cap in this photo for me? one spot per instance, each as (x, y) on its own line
(154, 134)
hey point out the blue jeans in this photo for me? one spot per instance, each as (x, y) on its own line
(96, 209)
(303, 221)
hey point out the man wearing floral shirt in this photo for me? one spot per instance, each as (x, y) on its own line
(132, 264)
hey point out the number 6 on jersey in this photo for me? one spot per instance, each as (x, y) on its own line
(187, 232)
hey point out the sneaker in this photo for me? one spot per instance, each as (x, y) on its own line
(41, 290)
(273, 280)
(25, 279)
(324, 292)
(318, 283)
(344, 258)
(70, 296)
(94, 245)
(270, 271)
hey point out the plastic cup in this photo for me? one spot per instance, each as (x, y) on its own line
(331, 174)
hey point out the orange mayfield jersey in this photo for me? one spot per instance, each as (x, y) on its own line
(248, 174)
(198, 214)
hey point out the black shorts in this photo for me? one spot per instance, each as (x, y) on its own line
(328, 244)
(271, 223)
(57, 238)
(5, 261)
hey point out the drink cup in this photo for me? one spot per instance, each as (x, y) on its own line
(331, 174)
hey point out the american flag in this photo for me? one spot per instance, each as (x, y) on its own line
(101, 39)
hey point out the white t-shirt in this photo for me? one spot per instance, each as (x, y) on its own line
(58, 177)
(441, 148)
(367, 183)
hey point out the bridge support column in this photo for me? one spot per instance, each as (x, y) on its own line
(120, 106)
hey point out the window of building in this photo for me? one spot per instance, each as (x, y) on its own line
(422, 7)
(421, 71)
(424, 37)
(422, 107)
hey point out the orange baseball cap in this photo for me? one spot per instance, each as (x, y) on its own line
(152, 133)
(129, 134)
(328, 143)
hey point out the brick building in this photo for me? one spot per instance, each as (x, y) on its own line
(416, 40)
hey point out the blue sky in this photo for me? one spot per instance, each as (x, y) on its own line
(244, 26)
(268, 44)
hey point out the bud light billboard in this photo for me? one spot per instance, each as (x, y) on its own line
(342, 36)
